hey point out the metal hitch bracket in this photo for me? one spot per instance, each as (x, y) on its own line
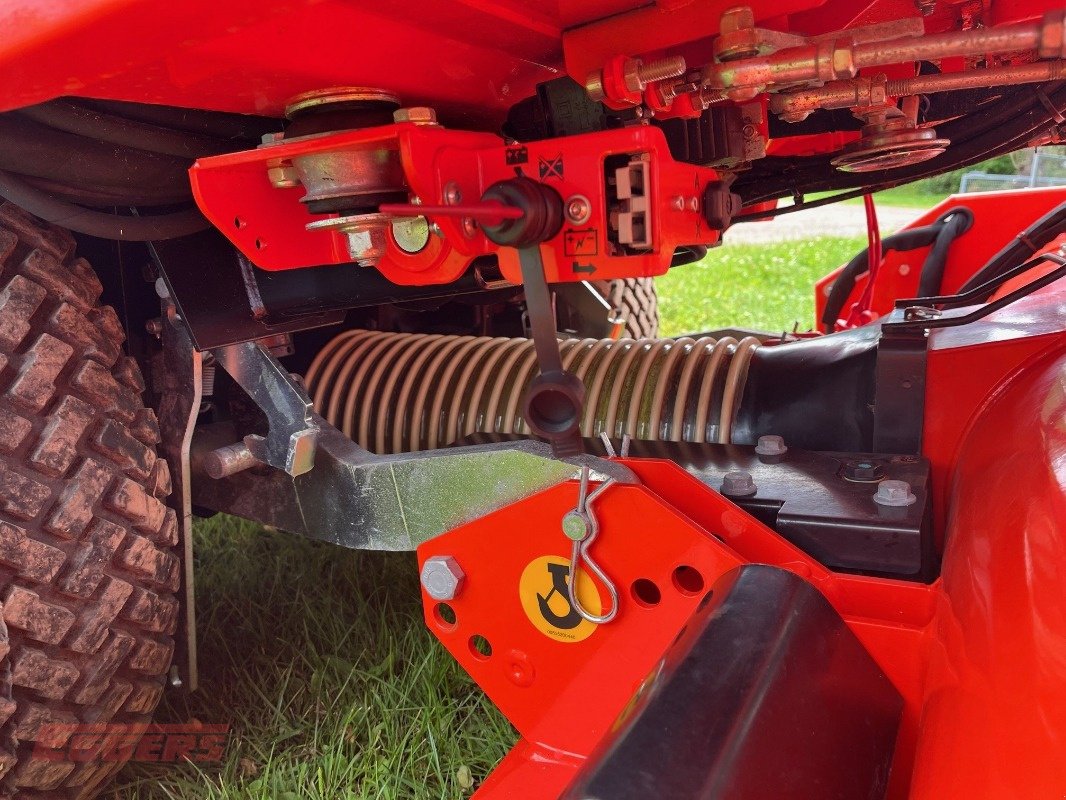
(293, 433)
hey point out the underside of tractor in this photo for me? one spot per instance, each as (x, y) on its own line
(387, 275)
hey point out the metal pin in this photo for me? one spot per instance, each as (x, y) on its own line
(626, 441)
(607, 445)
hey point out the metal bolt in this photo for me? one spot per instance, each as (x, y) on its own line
(365, 234)
(771, 445)
(869, 471)
(442, 577)
(738, 483)
(272, 138)
(894, 494)
(661, 69)
(161, 288)
(225, 461)
(739, 18)
(453, 196)
(914, 313)
(469, 227)
(154, 327)
(175, 677)
(925, 7)
(419, 115)
(283, 176)
(578, 209)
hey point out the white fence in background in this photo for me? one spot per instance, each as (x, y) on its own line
(1047, 169)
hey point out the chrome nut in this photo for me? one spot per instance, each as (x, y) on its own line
(442, 577)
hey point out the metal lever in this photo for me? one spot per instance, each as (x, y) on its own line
(553, 402)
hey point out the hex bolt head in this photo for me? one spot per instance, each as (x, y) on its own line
(771, 445)
(738, 483)
(864, 471)
(894, 494)
(578, 209)
(419, 115)
(442, 577)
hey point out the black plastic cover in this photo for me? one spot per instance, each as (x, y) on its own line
(765, 695)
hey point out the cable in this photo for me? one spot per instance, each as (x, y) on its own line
(96, 223)
(908, 239)
(1037, 235)
(72, 118)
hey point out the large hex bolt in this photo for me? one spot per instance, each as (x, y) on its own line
(442, 577)
(771, 445)
(894, 494)
(738, 483)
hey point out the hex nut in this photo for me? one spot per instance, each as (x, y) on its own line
(419, 115)
(366, 246)
(738, 483)
(771, 445)
(864, 471)
(283, 176)
(894, 494)
(442, 577)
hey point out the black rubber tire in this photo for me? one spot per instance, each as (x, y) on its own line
(638, 301)
(87, 570)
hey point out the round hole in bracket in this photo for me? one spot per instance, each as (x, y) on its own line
(444, 616)
(238, 223)
(259, 244)
(480, 647)
(688, 580)
(645, 593)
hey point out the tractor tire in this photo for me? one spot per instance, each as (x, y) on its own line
(87, 573)
(638, 301)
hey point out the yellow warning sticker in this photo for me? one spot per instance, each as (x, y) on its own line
(543, 589)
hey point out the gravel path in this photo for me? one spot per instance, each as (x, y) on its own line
(833, 220)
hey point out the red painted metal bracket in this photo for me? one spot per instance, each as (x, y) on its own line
(663, 543)
(268, 224)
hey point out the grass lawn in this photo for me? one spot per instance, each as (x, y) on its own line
(910, 195)
(317, 656)
(762, 286)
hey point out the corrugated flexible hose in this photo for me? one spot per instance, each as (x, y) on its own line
(401, 392)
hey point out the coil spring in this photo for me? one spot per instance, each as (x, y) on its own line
(401, 392)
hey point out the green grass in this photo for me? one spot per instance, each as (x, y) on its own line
(911, 195)
(317, 656)
(762, 286)
(319, 660)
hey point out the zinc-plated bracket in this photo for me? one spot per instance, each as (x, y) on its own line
(292, 435)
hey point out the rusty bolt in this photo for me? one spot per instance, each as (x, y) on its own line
(442, 577)
(419, 115)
